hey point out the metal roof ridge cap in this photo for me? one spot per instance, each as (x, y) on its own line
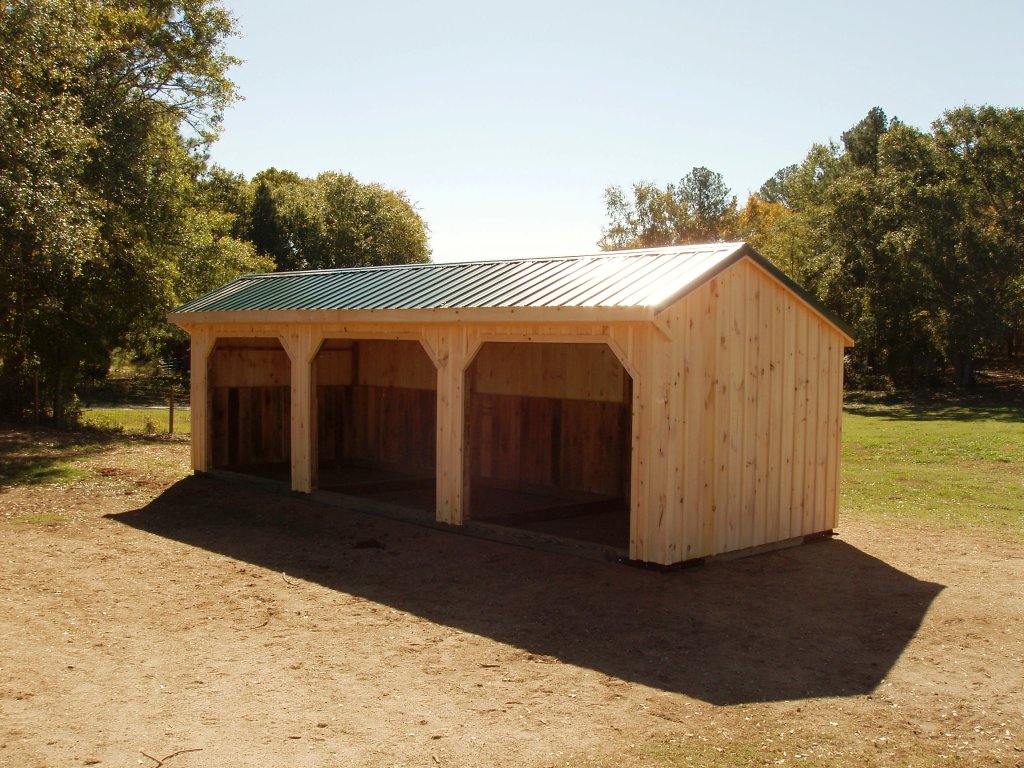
(731, 245)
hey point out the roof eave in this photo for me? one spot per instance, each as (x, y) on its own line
(432, 316)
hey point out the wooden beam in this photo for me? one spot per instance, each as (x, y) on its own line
(455, 350)
(413, 317)
(202, 345)
(301, 346)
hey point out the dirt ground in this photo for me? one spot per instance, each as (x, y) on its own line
(150, 617)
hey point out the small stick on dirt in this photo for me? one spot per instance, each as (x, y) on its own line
(161, 761)
(287, 580)
(242, 629)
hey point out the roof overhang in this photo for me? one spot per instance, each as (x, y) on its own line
(597, 314)
(437, 316)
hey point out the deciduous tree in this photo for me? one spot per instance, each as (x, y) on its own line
(699, 209)
(104, 105)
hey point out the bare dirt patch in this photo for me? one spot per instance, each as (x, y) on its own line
(147, 615)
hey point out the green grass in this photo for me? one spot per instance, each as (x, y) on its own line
(39, 470)
(39, 519)
(956, 463)
(146, 421)
(44, 458)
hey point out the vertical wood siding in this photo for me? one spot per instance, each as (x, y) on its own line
(766, 374)
(376, 403)
(550, 414)
(250, 403)
(723, 416)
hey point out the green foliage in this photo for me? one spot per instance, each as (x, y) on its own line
(106, 106)
(914, 238)
(109, 214)
(137, 421)
(699, 209)
(331, 220)
(43, 458)
(775, 189)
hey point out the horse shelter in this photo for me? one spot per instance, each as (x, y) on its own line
(666, 404)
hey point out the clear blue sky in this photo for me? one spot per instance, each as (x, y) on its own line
(504, 122)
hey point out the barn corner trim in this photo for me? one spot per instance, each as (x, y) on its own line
(746, 251)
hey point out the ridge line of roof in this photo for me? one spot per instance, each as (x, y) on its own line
(662, 249)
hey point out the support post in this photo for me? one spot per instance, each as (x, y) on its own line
(298, 343)
(454, 352)
(202, 346)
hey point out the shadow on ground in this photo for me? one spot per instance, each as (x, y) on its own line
(999, 396)
(35, 455)
(824, 619)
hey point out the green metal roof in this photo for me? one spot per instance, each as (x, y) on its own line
(646, 278)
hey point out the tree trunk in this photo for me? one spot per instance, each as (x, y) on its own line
(963, 370)
(58, 402)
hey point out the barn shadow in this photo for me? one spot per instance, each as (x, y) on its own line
(824, 619)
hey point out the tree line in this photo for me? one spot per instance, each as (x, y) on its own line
(914, 238)
(110, 211)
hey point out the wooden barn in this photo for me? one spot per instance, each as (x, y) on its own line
(668, 404)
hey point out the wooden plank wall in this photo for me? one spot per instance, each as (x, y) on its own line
(733, 433)
(251, 425)
(757, 450)
(250, 402)
(573, 371)
(376, 403)
(555, 415)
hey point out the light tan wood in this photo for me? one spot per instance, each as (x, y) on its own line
(711, 488)
(401, 363)
(845, 339)
(835, 412)
(249, 367)
(734, 400)
(299, 342)
(809, 423)
(524, 316)
(760, 503)
(335, 363)
(643, 491)
(773, 492)
(822, 447)
(558, 370)
(202, 346)
(796, 524)
(787, 424)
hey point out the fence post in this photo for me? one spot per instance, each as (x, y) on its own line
(170, 417)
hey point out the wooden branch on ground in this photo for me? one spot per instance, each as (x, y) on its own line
(161, 761)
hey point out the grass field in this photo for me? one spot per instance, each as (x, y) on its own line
(139, 420)
(956, 464)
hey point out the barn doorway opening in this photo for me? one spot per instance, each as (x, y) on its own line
(376, 422)
(548, 441)
(250, 407)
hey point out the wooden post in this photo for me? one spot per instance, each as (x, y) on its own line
(170, 413)
(202, 345)
(298, 343)
(455, 351)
